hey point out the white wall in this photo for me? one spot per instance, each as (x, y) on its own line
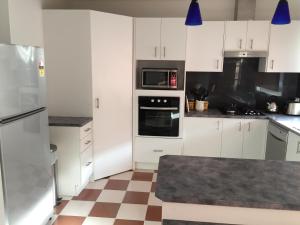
(2, 218)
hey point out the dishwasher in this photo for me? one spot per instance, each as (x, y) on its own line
(276, 142)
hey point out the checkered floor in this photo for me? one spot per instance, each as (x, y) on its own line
(123, 199)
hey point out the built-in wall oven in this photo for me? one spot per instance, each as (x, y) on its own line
(158, 116)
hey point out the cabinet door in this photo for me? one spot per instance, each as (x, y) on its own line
(284, 49)
(147, 38)
(293, 148)
(255, 138)
(205, 47)
(202, 137)
(235, 35)
(232, 138)
(258, 36)
(173, 39)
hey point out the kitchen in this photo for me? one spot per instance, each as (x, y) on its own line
(221, 92)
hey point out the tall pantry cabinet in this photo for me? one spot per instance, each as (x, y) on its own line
(89, 69)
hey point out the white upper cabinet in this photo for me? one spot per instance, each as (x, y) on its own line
(173, 39)
(247, 35)
(160, 38)
(232, 138)
(205, 47)
(202, 137)
(235, 35)
(255, 138)
(284, 49)
(258, 36)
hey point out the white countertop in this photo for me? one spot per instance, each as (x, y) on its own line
(289, 122)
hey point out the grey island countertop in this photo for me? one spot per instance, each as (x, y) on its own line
(64, 121)
(229, 182)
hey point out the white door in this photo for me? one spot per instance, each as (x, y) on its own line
(235, 35)
(258, 35)
(112, 92)
(255, 139)
(232, 138)
(173, 39)
(293, 147)
(202, 137)
(147, 38)
(284, 50)
(205, 47)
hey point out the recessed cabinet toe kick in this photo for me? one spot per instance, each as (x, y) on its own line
(228, 191)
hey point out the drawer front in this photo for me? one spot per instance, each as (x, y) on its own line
(86, 166)
(86, 130)
(149, 150)
(86, 142)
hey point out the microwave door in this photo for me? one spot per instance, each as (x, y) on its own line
(155, 79)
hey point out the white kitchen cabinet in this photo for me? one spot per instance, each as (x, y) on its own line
(205, 47)
(247, 35)
(258, 35)
(89, 68)
(2, 210)
(147, 38)
(293, 147)
(232, 138)
(149, 150)
(75, 157)
(255, 138)
(173, 39)
(160, 39)
(235, 35)
(284, 49)
(202, 137)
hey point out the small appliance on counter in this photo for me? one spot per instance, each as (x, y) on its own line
(272, 106)
(294, 107)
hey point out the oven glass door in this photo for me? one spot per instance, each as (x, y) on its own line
(159, 121)
(155, 79)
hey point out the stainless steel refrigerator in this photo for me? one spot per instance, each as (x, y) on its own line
(25, 156)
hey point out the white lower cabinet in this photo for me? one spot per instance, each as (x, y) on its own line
(232, 138)
(227, 138)
(202, 137)
(293, 147)
(75, 157)
(149, 150)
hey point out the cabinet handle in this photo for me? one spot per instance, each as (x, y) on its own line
(249, 127)
(218, 127)
(164, 52)
(87, 130)
(218, 62)
(272, 64)
(158, 150)
(97, 103)
(241, 43)
(240, 128)
(155, 51)
(251, 45)
(88, 142)
(89, 163)
(298, 148)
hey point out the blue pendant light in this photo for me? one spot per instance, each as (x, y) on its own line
(282, 13)
(194, 16)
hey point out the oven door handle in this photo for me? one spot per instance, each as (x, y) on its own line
(160, 108)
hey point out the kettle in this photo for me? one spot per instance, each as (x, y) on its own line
(272, 105)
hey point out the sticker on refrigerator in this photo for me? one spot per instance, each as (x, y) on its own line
(42, 69)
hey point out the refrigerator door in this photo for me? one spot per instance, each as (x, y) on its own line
(22, 80)
(26, 170)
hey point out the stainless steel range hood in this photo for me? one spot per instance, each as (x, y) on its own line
(245, 54)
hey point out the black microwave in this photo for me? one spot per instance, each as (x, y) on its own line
(159, 78)
(160, 75)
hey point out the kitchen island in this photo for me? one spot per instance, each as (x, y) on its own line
(228, 191)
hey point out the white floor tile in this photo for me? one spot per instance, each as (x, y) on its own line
(153, 200)
(78, 208)
(132, 212)
(142, 186)
(154, 177)
(111, 196)
(123, 176)
(98, 221)
(99, 184)
(152, 223)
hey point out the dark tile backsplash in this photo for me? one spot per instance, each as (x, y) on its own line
(241, 83)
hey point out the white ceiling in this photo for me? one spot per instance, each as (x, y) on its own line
(211, 9)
